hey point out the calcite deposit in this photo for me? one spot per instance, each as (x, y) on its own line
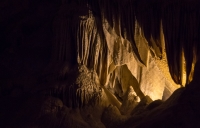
(99, 63)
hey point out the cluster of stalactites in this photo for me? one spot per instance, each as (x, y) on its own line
(80, 90)
(181, 25)
(178, 22)
(119, 15)
(178, 19)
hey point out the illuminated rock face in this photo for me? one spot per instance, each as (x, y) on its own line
(86, 39)
(108, 66)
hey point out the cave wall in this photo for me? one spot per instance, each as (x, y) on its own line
(102, 44)
(86, 36)
(109, 50)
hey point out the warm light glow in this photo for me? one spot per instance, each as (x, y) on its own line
(190, 77)
(183, 68)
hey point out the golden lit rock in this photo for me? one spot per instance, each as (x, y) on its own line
(99, 63)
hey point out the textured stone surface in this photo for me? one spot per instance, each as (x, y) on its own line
(86, 63)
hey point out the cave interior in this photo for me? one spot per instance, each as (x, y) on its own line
(99, 63)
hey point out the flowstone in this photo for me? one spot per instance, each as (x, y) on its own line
(79, 88)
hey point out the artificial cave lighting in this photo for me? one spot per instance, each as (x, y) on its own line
(100, 63)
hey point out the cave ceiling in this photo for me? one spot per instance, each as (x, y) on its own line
(103, 52)
(150, 38)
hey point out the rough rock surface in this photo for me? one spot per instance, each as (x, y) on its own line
(103, 63)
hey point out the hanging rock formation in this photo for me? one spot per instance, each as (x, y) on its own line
(99, 63)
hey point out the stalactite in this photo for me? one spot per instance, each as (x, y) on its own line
(169, 41)
(103, 33)
(179, 34)
(81, 92)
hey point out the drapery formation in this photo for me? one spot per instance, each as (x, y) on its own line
(180, 24)
(79, 40)
(179, 20)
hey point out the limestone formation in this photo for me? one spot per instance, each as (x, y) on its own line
(99, 63)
